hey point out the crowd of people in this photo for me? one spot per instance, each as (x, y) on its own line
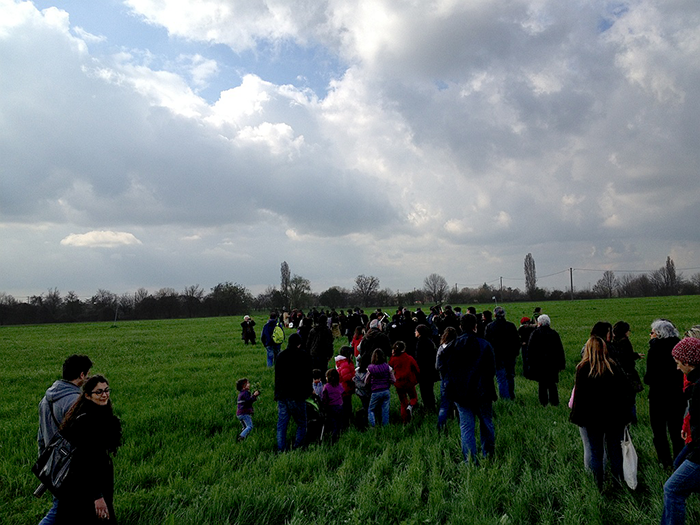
(472, 356)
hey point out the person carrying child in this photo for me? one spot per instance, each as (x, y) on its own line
(406, 372)
(332, 401)
(244, 408)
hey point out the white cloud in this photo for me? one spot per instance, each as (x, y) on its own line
(100, 239)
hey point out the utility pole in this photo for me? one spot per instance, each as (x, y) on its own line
(571, 276)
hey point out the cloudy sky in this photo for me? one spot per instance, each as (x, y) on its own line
(151, 143)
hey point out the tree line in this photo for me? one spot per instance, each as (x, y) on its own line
(294, 291)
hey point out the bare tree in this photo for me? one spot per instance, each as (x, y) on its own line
(299, 291)
(365, 288)
(530, 276)
(285, 282)
(665, 280)
(436, 287)
(607, 285)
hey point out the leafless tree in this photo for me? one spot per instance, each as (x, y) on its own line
(436, 287)
(299, 292)
(607, 285)
(365, 288)
(285, 282)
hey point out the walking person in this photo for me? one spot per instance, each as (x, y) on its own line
(92, 428)
(504, 338)
(426, 353)
(602, 407)
(55, 404)
(267, 339)
(244, 406)
(406, 372)
(686, 479)
(293, 380)
(469, 369)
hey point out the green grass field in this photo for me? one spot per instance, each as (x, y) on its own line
(173, 388)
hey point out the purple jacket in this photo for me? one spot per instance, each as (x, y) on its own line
(245, 403)
(332, 395)
(379, 377)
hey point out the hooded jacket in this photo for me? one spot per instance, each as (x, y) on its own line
(60, 397)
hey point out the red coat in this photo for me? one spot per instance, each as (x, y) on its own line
(405, 369)
(347, 373)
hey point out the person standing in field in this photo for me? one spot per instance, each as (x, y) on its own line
(320, 344)
(266, 338)
(379, 380)
(95, 432)
(244, 406)
(503, 336)
(332, 401)
(346, 370)
(666, 400)
(426, 353)
(686, 479)
(55, 404)
(545, 359)
(247, 330)
(601, 407)
(469, 369)
(446, 405)
(406, 372)
(293, 380)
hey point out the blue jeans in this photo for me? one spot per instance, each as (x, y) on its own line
(684, 481)
(600, 440)
(467, 426)
(505, 377)
(379, 400)
(271, 356)
(50, 517)
(445, 406)
(286, 409)
(247, 421)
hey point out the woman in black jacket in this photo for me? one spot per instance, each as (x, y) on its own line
(602, 403)
(95, 432)
(666, 400)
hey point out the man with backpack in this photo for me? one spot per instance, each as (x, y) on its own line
(272, 337)
(53, 407)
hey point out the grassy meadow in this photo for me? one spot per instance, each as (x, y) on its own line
(173, 386)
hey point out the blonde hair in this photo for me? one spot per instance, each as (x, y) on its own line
(595, 353)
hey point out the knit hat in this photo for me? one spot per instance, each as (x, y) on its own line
(499, 311)
(339, 358)
(524, 320)
(687, 351)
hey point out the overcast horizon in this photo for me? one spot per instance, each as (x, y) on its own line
(148, 144)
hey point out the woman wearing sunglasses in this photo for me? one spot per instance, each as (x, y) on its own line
(95, 432)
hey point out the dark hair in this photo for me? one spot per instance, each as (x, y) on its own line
(423, 330)
(273, 315)
(75, 365)
(602, 329)
(333, 377)
(84, 398)
(620, 330)
(294, 341)
(346, 352)
(467, 323)
(450, 334)
(398, 348)
(240, 384)
(358, 330)
(378, 357)
(316, 374)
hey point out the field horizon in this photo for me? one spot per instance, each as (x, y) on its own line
(173, 384)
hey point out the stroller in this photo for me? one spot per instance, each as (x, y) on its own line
(315, 420)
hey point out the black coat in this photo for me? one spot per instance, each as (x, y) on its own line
(604, 401)
(662, 376)
(503, 336)
(95, 432)
(545, 357)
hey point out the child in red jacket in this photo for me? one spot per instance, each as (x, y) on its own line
(406, 371)
(346, 370)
